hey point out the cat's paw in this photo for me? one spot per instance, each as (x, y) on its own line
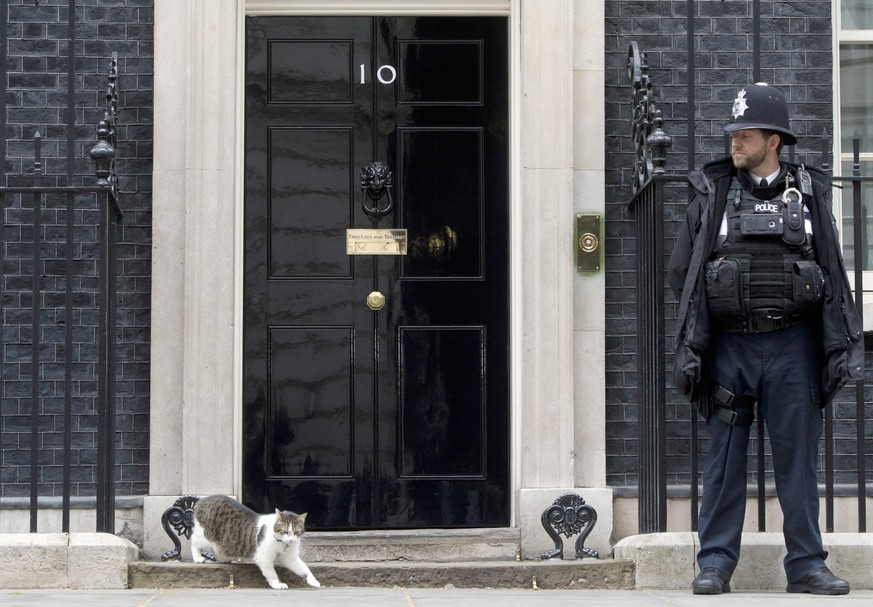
(312, 581)
(278, 585)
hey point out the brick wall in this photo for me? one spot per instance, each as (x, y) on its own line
(36, 99)
(796, 55)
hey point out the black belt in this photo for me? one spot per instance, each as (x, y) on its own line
(760, 324)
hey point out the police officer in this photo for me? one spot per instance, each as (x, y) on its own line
(767, 322)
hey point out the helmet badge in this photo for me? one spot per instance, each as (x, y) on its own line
(740, 105)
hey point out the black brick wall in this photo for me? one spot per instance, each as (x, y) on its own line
(36, 99)
(796, 56)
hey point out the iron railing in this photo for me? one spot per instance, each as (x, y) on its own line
(647, 204)
(70, 287)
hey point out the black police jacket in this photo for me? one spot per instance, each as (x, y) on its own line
(842, 343)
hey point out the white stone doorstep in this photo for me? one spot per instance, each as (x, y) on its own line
(668, 560)
(64, 560)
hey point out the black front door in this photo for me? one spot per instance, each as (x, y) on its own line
(395, 417)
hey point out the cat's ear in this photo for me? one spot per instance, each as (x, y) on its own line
(278, 512)
(303, 517)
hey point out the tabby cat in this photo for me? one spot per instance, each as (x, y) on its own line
(233, 531)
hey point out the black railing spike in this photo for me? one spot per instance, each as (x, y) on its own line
(37, 153)
(825, 151)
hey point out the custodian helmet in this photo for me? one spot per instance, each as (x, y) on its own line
(760, 106)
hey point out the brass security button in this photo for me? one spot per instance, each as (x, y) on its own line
(588, 243)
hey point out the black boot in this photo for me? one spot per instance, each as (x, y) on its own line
(711, 581)
(820, 581)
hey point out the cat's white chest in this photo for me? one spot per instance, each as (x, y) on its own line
(283, 546)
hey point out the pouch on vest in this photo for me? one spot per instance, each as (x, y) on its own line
(808, 282)
(794, 233)
(724, 286)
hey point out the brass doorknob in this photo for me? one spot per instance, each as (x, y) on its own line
(375, 301)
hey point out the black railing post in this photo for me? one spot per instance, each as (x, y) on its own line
(103, 154)
(106, 372)
(4, 19)
(69, 261)
(859, 253)
(35, 310)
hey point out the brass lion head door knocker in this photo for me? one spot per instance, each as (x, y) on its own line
(376, 183)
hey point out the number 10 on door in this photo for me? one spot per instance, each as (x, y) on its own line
(386, 74)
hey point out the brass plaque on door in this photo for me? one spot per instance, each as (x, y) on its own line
(362, 241)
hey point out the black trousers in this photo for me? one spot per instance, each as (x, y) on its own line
(780, 369)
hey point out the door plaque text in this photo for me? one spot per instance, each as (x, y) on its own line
(362, 241)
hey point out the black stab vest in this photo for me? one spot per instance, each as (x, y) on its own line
(755, 245)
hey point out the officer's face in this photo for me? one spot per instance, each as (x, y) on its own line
(749, 148)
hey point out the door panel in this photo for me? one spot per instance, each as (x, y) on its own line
(315, 397)
(440, 72)
(442, 401)
(397, 417)
(310, 71)
(446, 235)
(310, 201)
